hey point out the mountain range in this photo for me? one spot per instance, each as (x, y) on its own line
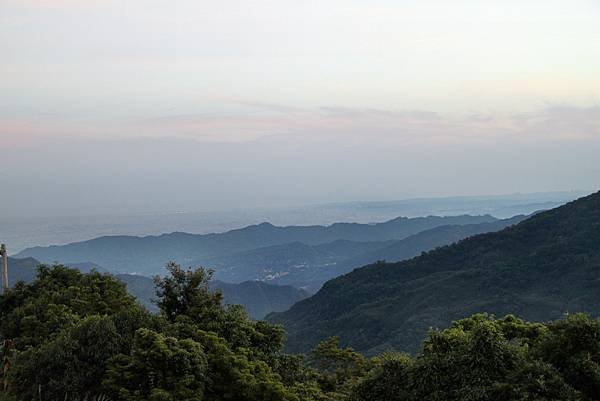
(309, 266)
(149, 254)
(21, 232)
(539, 269)
(255, 246)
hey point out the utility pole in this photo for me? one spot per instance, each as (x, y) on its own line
(7, 347)
(4, 268)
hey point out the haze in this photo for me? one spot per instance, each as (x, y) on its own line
(111, 106)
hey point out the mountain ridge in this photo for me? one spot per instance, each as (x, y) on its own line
(309, 266)
(149, 254)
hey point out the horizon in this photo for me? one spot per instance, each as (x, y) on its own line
(474, 196)
(21, 233)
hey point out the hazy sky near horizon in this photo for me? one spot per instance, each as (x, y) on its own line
(146, 105)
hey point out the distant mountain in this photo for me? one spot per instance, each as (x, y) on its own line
(86, 267)
(309, 266)
(500, 206)
(541, 268)
(21, 270)
(26, 269)
(258, 298)
(24, 232)
(297, 264)
(427, 240)
(148, 255)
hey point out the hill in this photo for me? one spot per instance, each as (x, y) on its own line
(148, 255)
(296, 263)
(309, 266)
(539, 269)
(25, 269)
(427, 240)
(258, 298)
(21, 270)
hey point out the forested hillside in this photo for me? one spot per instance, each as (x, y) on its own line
(540, 269)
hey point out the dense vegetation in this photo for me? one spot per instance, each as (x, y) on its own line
(74, 336)
(538, 269)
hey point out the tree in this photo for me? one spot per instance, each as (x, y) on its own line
(66, 326)
(339, 369)
(69, 366)
(159, 368)
(72, 343)
(479, 358)
(185, 297)
(187, 293)
(239, 351)
(572, 346)
(389, 380)
(33, 314)
(7, 356)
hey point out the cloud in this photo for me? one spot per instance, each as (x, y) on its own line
(280, 156)
(274, 107)
(560, 122)
(318, 124)
(344, 125)
(125, 174)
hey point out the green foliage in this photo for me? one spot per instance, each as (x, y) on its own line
(32, 314)
(70, 365)
(339, 368)
(159, 368)
(81, 335)
(572, 346)
(389, 380)
(479, 358)
(463, 363)
(238, 349)
(197, 349)
(233, 375)
(187, 293)
(185, 298)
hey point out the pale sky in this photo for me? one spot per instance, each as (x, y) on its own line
(152, 104)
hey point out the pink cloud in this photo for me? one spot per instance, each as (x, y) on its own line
(348, 126)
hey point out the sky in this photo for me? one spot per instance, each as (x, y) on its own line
(152, 105)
